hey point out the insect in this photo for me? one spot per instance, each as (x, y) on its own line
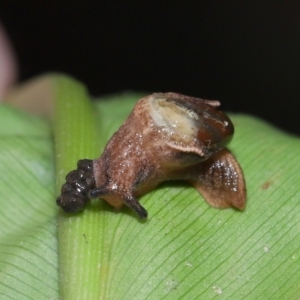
(167, 136)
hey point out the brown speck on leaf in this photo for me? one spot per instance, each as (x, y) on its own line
(266, 185)
(84, 236)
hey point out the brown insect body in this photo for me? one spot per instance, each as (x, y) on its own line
(170, 136)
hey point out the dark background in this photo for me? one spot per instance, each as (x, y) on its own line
(244, 53)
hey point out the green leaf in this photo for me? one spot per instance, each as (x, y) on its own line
(185, 250)
(28, 243)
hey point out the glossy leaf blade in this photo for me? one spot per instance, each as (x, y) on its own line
(185, 250)
(28, 243)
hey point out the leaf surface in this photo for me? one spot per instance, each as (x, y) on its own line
(28, 242)
(185, 250)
